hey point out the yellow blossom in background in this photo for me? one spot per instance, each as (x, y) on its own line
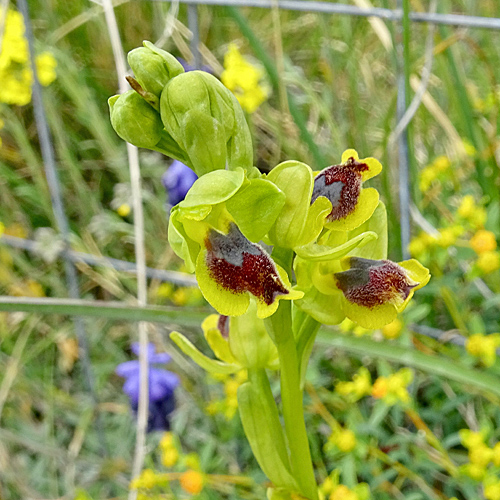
(244, 80)
(492, 489)
(169, 450)
(360, 386)
(483, 241)
(471, 439)
(342, 492)
(343, 439)
(148, 479)
(473, 213)
(192, 482)
(441, 163)
(165, 290)
(393, 389)
(2, 229)
(481, 455)
(483, 347)
(15, 70)
(46, 68)
(488, 262)
(229, 405)
(393, 330)
(123, 210)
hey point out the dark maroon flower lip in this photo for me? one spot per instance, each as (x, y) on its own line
(341, 184)
(240, 266)
(372, 283)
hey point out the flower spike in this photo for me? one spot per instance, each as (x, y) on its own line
(342, 185)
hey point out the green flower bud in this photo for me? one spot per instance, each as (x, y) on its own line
(206, 121)
(134, 120)
(153, 67)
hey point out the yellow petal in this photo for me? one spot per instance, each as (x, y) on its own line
(372, 318)
(366, 205)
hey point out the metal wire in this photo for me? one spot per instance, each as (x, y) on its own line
(175, 277)
(351, 10)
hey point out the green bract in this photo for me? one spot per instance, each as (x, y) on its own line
(153, 67)
(207, 122)
(299, 222)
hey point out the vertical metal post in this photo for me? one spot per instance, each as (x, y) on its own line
(403, 151)
(195, 40)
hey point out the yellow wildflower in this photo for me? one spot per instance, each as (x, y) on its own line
(343, 439)
(496, 455)
(483, 347)
(471, 439)
(447, 237)
(123, 210)
(468, 210)
(488, 262)
(359, 387)
(427, 176)
(393, 330)
(46, 68)
(192, 482)
(147, 480)
(483, 241)
(342, 492)
(15, 70)
(481, 455)
(492, 490)
(180, 297)
(474, 471)
(441, 163)
(393, 388)
(165, 290)
(169, 457)
(244, 80)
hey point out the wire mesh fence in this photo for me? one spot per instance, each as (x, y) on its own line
(404, 113)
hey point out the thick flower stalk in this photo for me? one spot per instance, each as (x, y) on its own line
(275, 255)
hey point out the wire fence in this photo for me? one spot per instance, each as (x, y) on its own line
(405, 112)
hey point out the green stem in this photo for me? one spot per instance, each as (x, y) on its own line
(292, 400)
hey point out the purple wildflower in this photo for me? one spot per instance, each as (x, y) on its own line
(162, 384)
(177, 180)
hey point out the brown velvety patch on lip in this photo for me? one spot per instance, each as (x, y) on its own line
(341, 184)
(371, 283)
(239, 266)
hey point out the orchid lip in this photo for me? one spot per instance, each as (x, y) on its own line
(372, 283)
(238, 265)
(341, 184)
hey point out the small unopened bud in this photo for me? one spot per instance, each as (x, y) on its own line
(153, 67)
(134, 120)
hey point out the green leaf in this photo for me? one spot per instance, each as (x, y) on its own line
(436, 365)
(208, 364)
(255, 208)
(118, 311)
(260, 419)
